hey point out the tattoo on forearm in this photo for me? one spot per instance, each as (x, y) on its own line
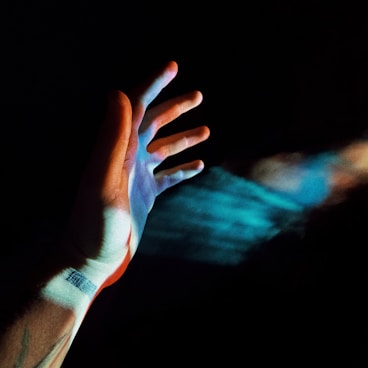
(77, 279)
(54, 352)
(56, 349)
(24, 349)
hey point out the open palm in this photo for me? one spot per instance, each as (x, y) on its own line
(120, 184)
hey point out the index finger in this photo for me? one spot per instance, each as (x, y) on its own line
(149, 90)
(158, 82)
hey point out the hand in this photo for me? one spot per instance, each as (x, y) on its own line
(120, 185)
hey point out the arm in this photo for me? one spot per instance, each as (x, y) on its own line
(314, 180)
(117, 192)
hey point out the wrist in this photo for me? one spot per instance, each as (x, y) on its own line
(70, 289)
(79, 281)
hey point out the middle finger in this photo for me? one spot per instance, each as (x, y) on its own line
(166, 112)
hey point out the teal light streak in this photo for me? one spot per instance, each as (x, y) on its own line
(217, 218)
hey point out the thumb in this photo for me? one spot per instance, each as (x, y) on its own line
(109, 152)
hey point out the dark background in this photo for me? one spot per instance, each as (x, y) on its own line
(276, 76)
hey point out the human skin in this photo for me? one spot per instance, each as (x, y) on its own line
(117, 191)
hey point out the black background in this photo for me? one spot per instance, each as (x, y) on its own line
(276, 76)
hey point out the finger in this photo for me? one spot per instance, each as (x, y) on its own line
(166, 112)
(109, 153)
(176, 143)
(170, 177)
(159, 80)
(142, 96)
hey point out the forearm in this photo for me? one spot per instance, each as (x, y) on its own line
(42, 335)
